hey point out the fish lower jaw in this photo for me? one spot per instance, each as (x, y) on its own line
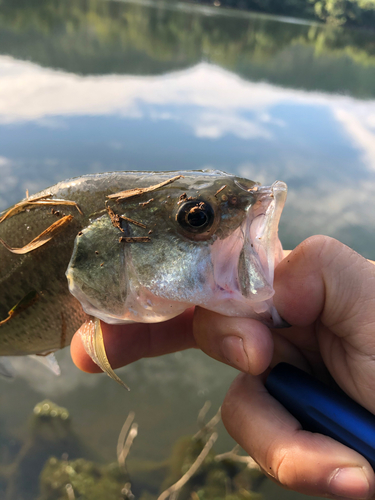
(137, 309)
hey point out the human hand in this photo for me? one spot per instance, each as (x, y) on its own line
(327, 292)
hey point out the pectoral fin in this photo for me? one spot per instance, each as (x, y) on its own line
(92, 338)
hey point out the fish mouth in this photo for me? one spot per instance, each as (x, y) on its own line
(244, 263)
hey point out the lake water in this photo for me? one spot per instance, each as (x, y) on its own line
(92, 86)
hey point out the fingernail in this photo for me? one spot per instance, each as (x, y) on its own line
(234, 352)
(349, 482)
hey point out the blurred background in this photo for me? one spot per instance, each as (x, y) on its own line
(92, 85)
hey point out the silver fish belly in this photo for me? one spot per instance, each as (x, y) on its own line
(135, 246)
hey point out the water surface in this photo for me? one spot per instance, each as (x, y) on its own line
(97, 86)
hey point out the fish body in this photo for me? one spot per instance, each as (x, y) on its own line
(136, 246)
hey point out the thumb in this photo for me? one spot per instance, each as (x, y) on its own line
(326, 284)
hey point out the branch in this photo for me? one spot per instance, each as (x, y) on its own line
(193, 469)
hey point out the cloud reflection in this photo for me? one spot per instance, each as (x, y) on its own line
(30, 92)
(359, 131)
(322, 145)
(219, 100)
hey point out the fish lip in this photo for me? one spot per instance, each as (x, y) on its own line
(265, 241)
(244, 263)
(273, 197)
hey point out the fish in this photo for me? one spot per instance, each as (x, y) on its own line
(126, 247)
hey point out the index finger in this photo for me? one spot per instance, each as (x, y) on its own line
(127, 343)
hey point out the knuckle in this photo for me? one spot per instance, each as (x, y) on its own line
(279, 464)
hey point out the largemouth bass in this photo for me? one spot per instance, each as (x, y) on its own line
(135, 246)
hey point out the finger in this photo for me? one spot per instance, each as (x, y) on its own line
(303, 461)
(325, 283)
(323, 277)
(129, 342)
(243, 343)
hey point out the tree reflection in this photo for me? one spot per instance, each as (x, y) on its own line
(97, 37)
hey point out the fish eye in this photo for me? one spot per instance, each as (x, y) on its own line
(195, 216)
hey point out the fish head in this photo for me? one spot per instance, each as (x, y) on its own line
(207, 238)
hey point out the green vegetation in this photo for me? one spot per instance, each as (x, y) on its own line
(358, 13)
(87, 480)
(52, 463)
(346, 12)
(216, 479)
(49, 433)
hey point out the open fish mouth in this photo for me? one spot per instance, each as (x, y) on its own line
(244, 262)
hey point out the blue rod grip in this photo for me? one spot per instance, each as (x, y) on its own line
(320, 408)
